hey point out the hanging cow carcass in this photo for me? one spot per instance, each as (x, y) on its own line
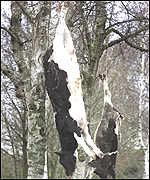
(106, 136)
(63, 84)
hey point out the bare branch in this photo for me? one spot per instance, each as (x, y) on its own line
(10, 126)
(8, 73)
(12, 34)
(127, 21)
(4, 151)
(13, 78)
(127, 9)
(125, 38)
(25, 12)
(85, 27)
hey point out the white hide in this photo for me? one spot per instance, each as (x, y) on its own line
(107, 96)
(64, 55)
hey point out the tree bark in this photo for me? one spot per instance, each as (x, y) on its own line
(24, 144)
(36, 96)
(141, 142)
(19, 81)
(144, 146)
(146, 163)
(141, 85)
(29, 84)
(95, 52)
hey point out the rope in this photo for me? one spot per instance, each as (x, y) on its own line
(110, 153)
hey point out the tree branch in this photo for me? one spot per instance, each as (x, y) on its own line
(125, 38)
(25, 12)
(126, 21)
(86, 30)
(12, 128)
(10, 75)
(12, 34)
(7, 152)
(127, 9)
(7, 72)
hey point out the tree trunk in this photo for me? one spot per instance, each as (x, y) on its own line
(141, 142)
(144, 146)
(19, 81)
(36, 111)
(141, 84)
(95, 52)
(36, 95)
(45, 176)
(24, 144)
(146, 163)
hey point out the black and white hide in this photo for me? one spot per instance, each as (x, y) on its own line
(106, 136)
(63, 84)
(56, 85)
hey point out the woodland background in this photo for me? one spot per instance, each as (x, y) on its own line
(107, 35)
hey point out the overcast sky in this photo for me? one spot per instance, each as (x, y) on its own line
(6, 6)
